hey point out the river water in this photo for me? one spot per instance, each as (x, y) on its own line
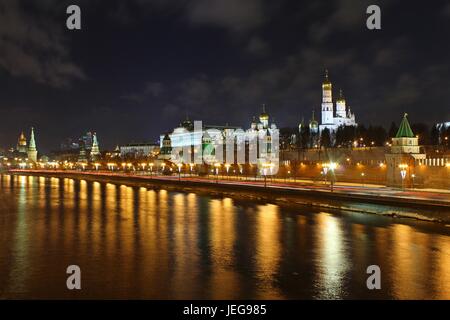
(140, 243)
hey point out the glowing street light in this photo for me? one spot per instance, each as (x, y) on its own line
(403, 168)
(111, 166)
(179, 165)
(331, 166)
(217, 166)
(151, 164)
(267, 166)
(227, 167)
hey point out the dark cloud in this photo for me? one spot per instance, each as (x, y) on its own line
(258, 47)
(33, 46)
(235, 15)
(152, 61)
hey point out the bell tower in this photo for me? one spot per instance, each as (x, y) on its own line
(327, 100)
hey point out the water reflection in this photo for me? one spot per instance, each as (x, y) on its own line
(134, 242)
(332, 252)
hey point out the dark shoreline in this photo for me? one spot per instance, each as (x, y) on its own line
(387, 206)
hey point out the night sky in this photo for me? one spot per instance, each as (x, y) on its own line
(138, 67)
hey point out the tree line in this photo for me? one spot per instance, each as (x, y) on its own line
(360, 136)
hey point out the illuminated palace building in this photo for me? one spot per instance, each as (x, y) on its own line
(331, 119)
(186, 136)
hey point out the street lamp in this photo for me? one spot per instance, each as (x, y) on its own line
(325, 171)
(267, 166)
(403, 168)
(111, 166)
(227, 167)
(332, 166)
(179, 165)
(413, 176)
(217, 166)
(151, 168)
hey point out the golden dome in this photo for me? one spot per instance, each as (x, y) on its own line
(22, 140)
(341, 97)
(264, 116)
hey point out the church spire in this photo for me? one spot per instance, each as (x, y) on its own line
(32, 151)
(32, 145)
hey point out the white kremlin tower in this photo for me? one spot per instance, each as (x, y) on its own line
(343, 117)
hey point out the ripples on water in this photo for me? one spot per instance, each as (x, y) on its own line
(140, 243)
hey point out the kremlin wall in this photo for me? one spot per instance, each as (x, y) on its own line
(364, 165)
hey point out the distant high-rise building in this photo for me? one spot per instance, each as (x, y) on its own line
(32, 151)
(87, 140)
(82, 158)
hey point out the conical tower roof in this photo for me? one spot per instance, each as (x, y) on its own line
(32, 144)
(404, 131)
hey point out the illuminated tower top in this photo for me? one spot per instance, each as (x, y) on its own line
(32, 146)
(32, 151)
(327, 100)
(264, 117)
(341, 106)
(22, 143)
(95, 149)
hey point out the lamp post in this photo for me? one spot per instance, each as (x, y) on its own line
(151, 168)
(179, 170)
(413, 176)
(403, 168)
(325, 172)
(217, 166)
(267, 166)
(227, 167)
(332, 166)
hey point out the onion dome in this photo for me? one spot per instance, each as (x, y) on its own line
(264, 116)
(341, 97)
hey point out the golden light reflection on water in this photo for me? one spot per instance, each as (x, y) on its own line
(332, 252)
(268, 250)
(138, 243)
(223, 236)
(412, 257)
